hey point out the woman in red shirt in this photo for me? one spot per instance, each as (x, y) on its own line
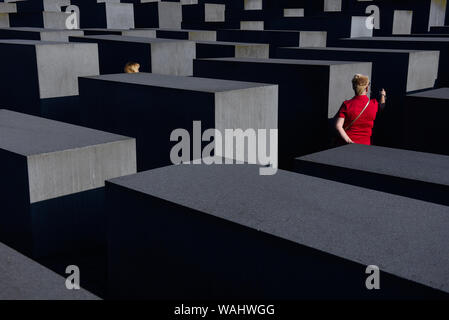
(355, 119)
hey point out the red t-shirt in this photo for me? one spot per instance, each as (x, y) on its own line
(360, 132)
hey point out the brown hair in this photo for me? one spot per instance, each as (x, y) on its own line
(360, 83)
(131, 67)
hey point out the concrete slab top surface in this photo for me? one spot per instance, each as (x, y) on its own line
(23, 279)
(269, 31)
(33, 42)
(35, 29)
(28, 135)
(400, 39)
(377, 50)
(178, 82)
(113, 37)
(179, 30)
(441, 93)
(406, 164)
(285, 61)
(105, 29)
(230, 43)
(402, 236)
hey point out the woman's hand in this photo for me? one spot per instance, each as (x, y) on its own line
(349, 141)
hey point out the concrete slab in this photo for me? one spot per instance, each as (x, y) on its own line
(29, 33)
(4, 20)
(415, 43)
(284, 229)
(41, 5)
(335, 25)
(422, 176)
(204, 12)
(253, 5)
(41, 19)
(217, 49)
(275, 38)
(299, 97)
(111, 15)
(148, 33)
(158, 15)
(439, 30)
(252, 25)
(23, 279)
(162, 56)
(184, 34)
(414, 69)
(402, 22)
(51, 192)
(214, 12)
(48, 70)
(150, 106)
(422, 135)
(8, 7)
(293, 12)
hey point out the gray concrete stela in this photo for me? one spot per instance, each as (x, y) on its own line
(88, 176)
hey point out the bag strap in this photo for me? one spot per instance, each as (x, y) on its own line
(360, 114)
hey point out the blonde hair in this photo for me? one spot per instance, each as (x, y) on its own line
(132, 67)
(360, 83)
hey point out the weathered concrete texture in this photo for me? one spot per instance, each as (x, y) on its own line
(253, 5)
(414, 69)
(285, 229)
(4, 20)
(162, 56)
(438, 13)
(252, 25)
(358, 27)
(214, 12)
(47, 69)
(53, 168)
(149, 107)
(23, 279)
(119, 15)
(275, 38)
(427, 136)
(402, 22)
(217, 49)
(39, 34)
(332, 5)
(299, 97)
(8, 7)
(293, 12)
(414, 43)
(422, 176)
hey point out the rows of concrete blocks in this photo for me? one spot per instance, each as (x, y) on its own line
(68, 174)
(59, 81)
(106, 14)
(66, 187)
(159, 14)
(419, 63)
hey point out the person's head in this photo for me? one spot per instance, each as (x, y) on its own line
(360, 84)
(132, 67)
